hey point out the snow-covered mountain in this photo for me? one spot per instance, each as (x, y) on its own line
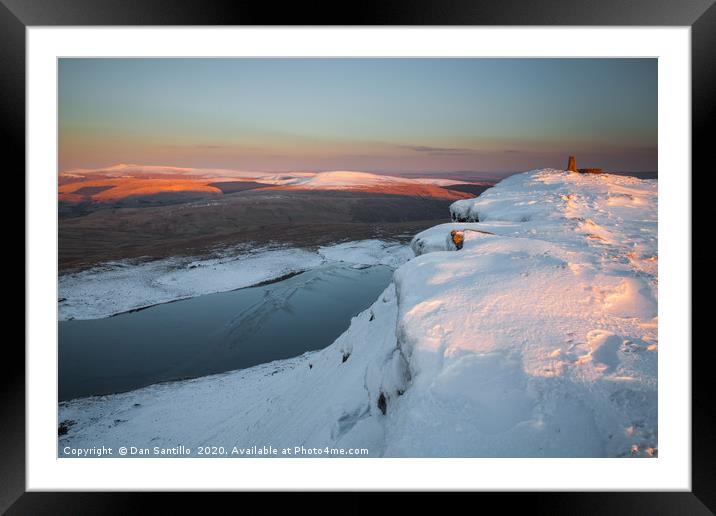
(538, 338)
(346, 179)
(366, 182)
(122, 181)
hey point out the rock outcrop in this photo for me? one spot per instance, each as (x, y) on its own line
(458, 237)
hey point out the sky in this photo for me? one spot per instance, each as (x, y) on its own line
(376, 115)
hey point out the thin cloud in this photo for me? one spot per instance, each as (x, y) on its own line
(443, 150)
(203, 147)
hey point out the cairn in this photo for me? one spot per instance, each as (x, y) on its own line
(572, 167)
(572, 164)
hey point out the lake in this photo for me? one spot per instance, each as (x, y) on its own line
(214, 333)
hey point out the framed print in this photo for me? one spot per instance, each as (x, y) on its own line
(425, 249)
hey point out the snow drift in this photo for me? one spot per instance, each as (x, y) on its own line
(537, 339)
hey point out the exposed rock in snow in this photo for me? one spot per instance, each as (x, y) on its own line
(537, 339)
(438, 238)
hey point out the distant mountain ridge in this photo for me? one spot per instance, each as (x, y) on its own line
(124, 181)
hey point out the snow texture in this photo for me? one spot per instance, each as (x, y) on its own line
(537, 339)
(123, 286)
(365, 253)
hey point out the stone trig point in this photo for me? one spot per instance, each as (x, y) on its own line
(572, 167)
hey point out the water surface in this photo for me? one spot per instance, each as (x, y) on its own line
(214, 333)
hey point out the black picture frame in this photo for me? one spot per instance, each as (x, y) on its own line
(17, 15)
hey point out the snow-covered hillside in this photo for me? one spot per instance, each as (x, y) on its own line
(118, 182)
(537, 338)
(118, 287)
(348, 179)
(345, 180)
(312, 180)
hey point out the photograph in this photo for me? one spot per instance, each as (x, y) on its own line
(357, 257)
(411, 247)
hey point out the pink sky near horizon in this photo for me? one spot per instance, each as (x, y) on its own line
(397, 160)
(376, 115)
